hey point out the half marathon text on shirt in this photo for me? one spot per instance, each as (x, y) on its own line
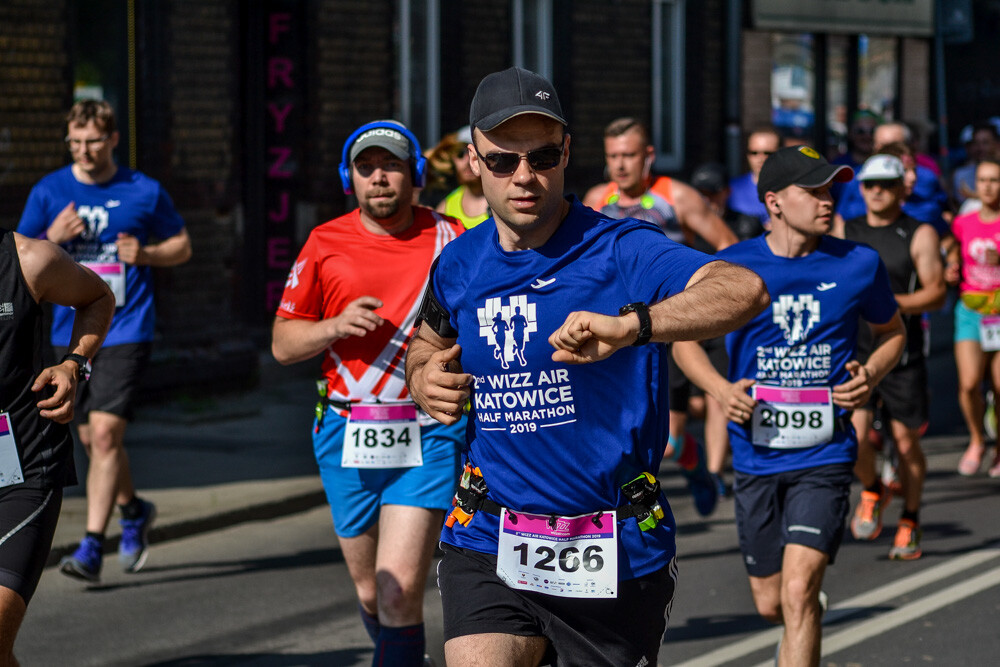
(795, 366)
(524, 402)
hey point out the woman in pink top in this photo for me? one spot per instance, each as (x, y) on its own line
(977, 315)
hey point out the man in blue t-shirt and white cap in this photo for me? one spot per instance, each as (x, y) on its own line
(561, 545)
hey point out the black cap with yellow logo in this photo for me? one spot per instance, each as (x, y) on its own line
(799, 165)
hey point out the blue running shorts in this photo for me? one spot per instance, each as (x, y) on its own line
(966, 323)
(356, 494)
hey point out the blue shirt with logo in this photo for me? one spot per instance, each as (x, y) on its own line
(806, 337)
(552, 438)
(743, 198)
(130, 202)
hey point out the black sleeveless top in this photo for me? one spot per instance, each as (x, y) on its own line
(893, 245)
(44, 447)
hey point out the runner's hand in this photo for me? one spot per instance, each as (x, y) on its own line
(439, 391)
(130, 250)
(357, 319)
(854, 393)
(66, 226)
(588, 337)
(737, 401)
(59, 406)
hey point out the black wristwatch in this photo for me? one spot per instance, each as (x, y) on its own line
(645, 322)
(83, 365)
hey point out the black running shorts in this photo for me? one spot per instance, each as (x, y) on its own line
(28, 518)
(623, 631)
(904, 393)
(806, 507)
(114, 380)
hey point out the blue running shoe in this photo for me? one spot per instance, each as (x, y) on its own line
(700, 482)
(134, 546)
(720, 485)
(85, 563)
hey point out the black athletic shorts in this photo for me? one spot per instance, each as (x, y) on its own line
(905, 396)
(28, 518)
(806, 507)
(625, 631)
(114, 380)
(682, 389)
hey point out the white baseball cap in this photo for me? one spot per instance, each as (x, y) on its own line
(881, 168)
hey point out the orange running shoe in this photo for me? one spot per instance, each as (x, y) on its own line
(866, 524)
(906, 546)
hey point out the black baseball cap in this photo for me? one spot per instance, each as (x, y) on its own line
(798, 165)
(513, 92)
(709, 177)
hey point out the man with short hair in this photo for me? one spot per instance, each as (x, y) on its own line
(561, 545)
(910, 251)
(762, 142)
(984, 142)
(388, 469)
(36, 449)
(106, 215)
(792, 383)
(927, 201)
(682, 214)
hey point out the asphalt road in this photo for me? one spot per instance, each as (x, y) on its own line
(276, 593)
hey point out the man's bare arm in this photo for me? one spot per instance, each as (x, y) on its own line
(695, 216)
(434, 375)
(169, 252)
(926, 253)
(293, 341)
(719, 298)
(693, 361)
(890, 339)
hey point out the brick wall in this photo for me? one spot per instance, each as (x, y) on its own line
(35, 80)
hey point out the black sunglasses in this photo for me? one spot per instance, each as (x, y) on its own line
(540, 159)
(886, 184)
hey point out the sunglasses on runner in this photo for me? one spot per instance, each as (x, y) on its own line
(505, 164)
(885, 184)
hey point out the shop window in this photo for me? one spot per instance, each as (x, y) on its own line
(531, 35)
(668, 84)
(793, 80)
(877, 75)
(419, 67)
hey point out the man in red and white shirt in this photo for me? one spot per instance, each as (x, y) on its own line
(389, 470)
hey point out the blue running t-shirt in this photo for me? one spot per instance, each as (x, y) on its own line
(806, 337)
(130, 202)
(552, 438)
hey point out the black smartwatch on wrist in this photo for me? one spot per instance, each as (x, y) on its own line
(645, 321)
(82, 363)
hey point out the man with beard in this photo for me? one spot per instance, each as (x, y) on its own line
(352, 295)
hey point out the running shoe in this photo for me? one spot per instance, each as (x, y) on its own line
(723, 489)
(972, 459)
(134, 546)
(906, 546)
(866, 524)
(85, 563)
(699, 480)
(995, 467)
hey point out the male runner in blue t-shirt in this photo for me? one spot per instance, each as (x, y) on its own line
(793, 380)
(105, 216)
(561, 544)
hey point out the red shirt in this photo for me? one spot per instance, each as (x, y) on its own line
(342, 261)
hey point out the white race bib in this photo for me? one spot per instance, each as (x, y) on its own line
(570, 557)
(113, 273)
(792, 417)
(10, 462)
(382, 435)
(989, 333)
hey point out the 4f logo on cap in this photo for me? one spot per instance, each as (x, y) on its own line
(809, 152)
(542, 95)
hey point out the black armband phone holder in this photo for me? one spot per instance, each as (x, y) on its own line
(433, 313)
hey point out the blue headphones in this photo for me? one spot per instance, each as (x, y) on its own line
(420, 162)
